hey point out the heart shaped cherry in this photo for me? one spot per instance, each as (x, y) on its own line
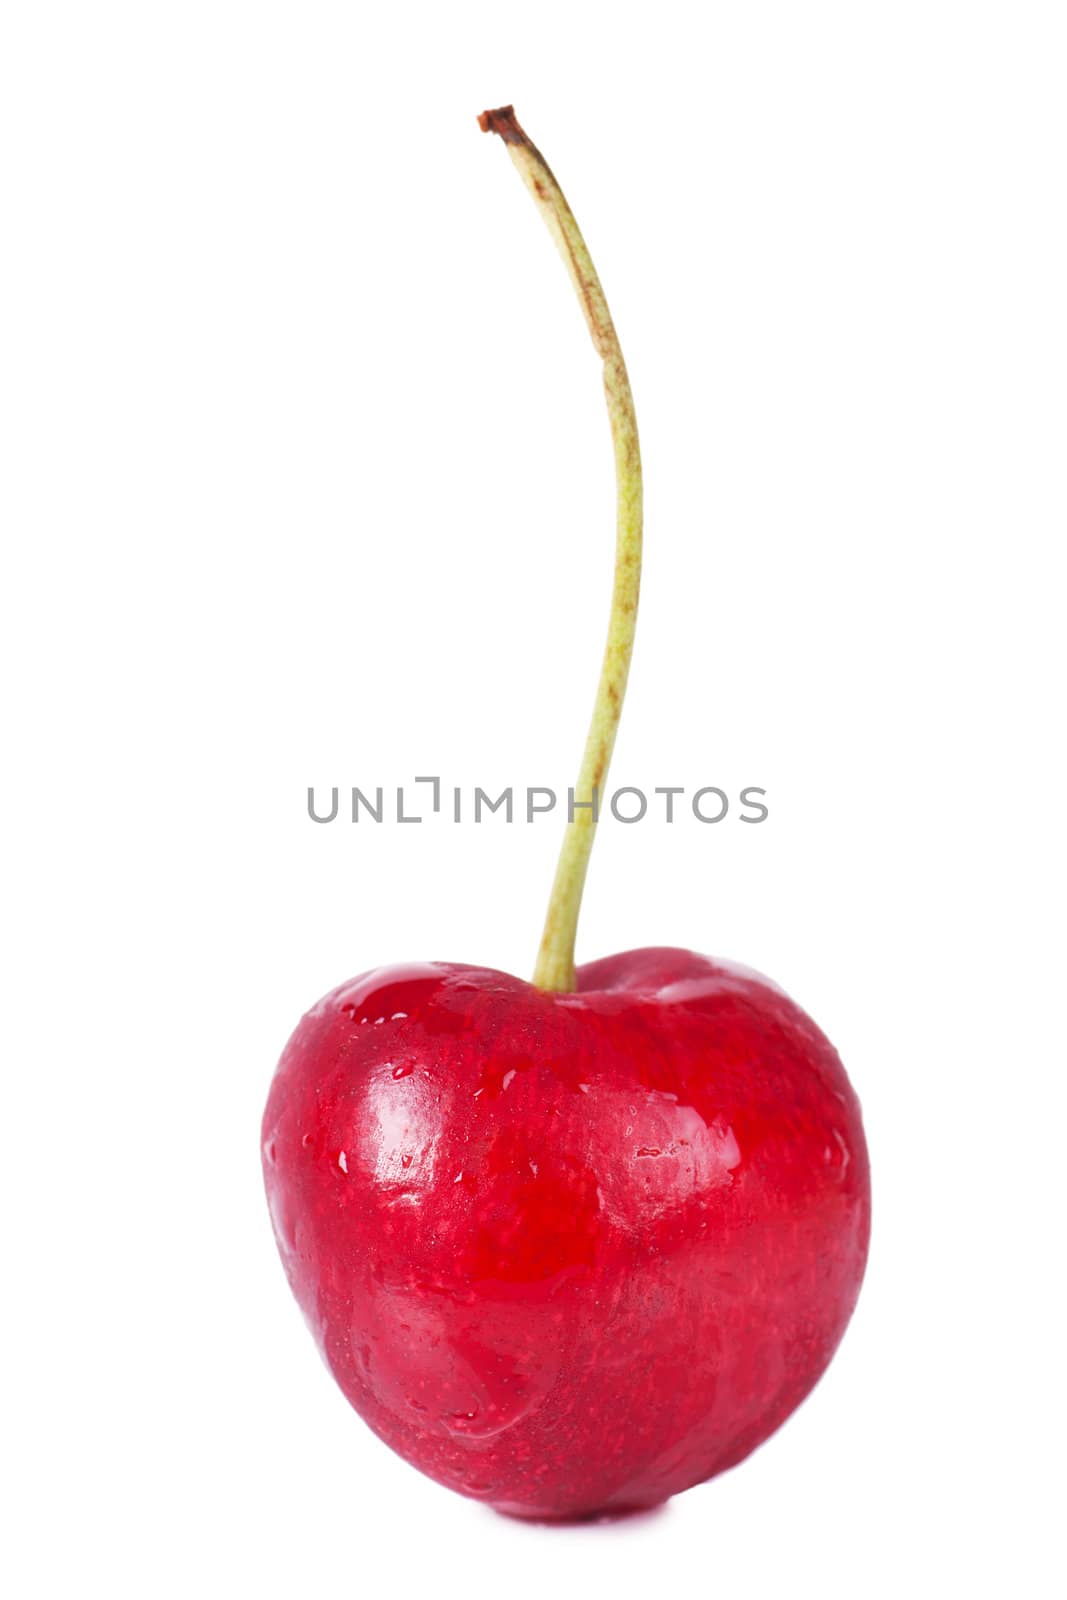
(570, 1247)
(569, 1253)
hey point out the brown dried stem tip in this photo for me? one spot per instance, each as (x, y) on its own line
(504, 122)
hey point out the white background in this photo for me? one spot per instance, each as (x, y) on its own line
(307, 481)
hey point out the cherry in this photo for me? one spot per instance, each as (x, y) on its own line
(569, 1253)
(570, 1247)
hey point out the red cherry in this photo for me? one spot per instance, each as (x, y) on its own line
(569, 1253)
(573, 1246)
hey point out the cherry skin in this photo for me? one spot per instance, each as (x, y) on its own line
(569, 1253)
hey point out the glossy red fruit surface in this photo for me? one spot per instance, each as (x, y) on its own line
(569, 1253)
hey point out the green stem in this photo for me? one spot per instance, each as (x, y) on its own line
(555, 960)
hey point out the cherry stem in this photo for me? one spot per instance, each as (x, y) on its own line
(555, 959)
